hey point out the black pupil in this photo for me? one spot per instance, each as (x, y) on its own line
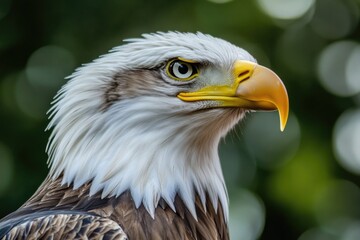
(183, 68)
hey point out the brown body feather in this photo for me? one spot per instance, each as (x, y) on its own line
(60, 212)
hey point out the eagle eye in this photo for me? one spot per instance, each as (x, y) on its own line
(182, 71)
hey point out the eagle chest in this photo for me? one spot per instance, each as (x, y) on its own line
(53, 199)
(167, 224)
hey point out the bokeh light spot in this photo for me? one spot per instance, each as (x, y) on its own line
(297, 56)
(347, 230)
(334, 19)
(352, 70)
(239, 168)
(6, 168)
(49, 65)
(230, 162)
(32, 101)
(247, 216)
(352, 231)
(285, 9)
(266, 143)
(317, 234)
(45, 72)
(346, 140)
(335, 72)
(336, 205)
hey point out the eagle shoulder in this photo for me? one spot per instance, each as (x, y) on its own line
(61, 225)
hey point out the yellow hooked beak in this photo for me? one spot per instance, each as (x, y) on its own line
(255, 87)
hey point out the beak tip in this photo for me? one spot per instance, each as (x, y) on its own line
(283, 121)
(282, 128)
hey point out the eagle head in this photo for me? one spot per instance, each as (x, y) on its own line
(148, 116)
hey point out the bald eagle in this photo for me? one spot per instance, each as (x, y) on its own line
(133, 149)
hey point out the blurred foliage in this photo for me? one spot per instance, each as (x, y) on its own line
(302, 184)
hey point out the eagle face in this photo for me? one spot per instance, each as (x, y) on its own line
(148, 116)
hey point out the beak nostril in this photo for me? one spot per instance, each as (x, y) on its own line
(242, 74)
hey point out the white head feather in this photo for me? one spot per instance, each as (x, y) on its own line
(156, 146)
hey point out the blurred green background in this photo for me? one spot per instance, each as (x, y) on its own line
(300, 184)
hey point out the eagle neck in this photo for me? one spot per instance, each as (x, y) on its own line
(157, 152)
